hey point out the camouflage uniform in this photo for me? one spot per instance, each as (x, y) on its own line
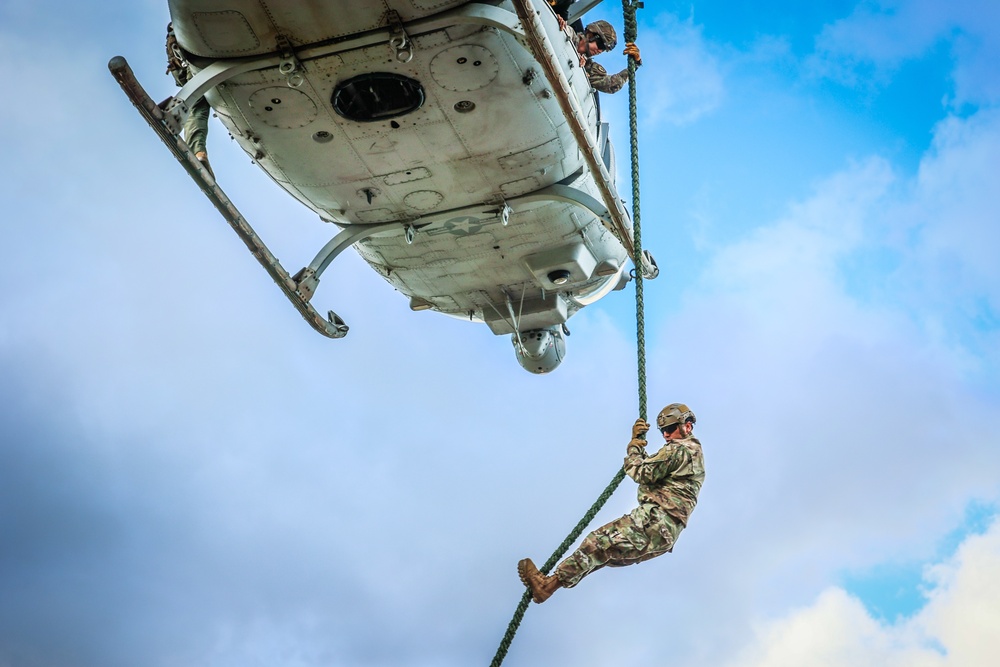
(196, 125)
(599, 78)
(603, 82)
(669, 482)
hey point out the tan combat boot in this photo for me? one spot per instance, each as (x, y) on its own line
(542, 587)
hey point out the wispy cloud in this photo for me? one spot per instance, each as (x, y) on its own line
(878, 37)
(683, 79)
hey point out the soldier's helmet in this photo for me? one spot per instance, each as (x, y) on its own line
(675, 413)
(603, 30)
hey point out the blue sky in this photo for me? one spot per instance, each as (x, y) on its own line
(190, 475)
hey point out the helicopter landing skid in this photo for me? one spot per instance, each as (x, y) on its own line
(297, 291)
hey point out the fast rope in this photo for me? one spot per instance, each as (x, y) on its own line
(629, 8)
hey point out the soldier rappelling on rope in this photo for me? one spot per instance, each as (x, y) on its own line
(669, 482)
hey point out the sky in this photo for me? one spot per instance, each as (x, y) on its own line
(189, 475)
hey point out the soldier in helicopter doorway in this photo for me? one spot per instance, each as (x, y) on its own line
(599, 37)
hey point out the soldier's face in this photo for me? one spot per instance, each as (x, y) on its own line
(588, 47)
(681, 431)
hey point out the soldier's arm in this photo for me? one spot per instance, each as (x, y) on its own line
(601, 81)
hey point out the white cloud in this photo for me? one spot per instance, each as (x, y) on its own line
(887, 32)
(964, 608)
(955, 215)
(681, 79)
(879, 36)
(957, 628)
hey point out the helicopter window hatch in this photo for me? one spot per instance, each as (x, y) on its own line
(377, 96)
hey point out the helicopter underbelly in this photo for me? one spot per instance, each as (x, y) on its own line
(463, 143)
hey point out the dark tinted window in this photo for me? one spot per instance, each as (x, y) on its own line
(377, 96)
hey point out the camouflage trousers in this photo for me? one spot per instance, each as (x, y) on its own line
(196, 126)
(644, 533)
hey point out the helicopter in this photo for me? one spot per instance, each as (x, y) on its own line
(456, 146)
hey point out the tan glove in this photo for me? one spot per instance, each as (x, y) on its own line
(639, 444)
(639, 428)
(632, 50)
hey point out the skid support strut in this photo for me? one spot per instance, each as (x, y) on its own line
(299, 294)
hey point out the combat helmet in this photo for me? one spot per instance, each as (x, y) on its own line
(675, 413)
(603, 30)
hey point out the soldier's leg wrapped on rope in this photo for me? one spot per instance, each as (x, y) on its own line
(645, 533)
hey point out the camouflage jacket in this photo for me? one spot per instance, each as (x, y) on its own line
(670, 478)
(599, 78)
(602, 81)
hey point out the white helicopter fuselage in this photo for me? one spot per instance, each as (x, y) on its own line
(449, 130)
